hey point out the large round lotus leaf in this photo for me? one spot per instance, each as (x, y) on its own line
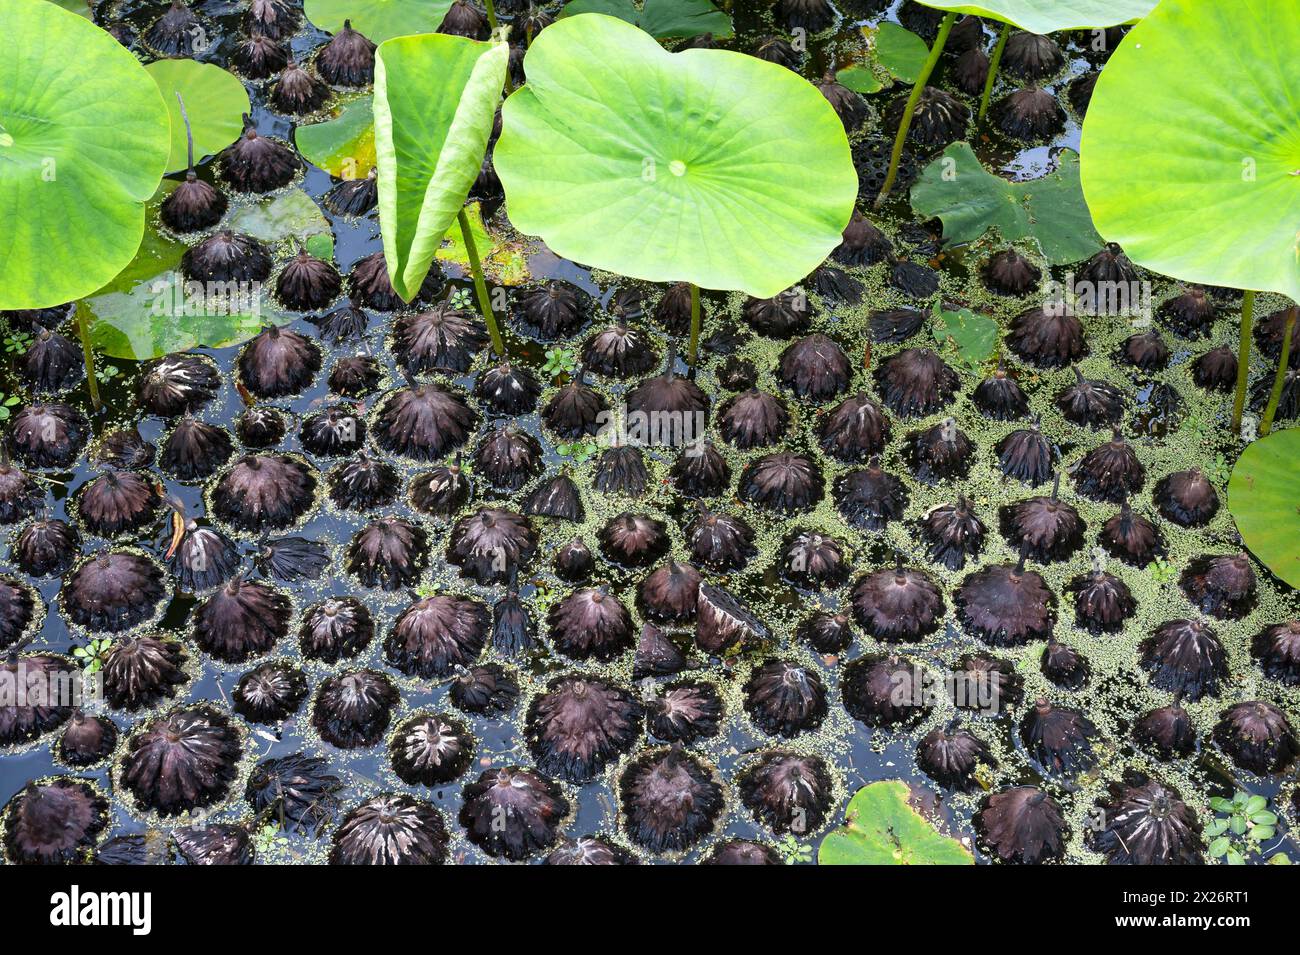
(1264, 499)
(436, 98)
(343, 146)
(881, 828)
(379, 20)
(1048, 16)
(1191, 145)
(704, 166)
(84, 138)
(215, 101)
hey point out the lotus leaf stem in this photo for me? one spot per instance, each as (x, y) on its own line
(1279, 382)
(1243, 361)
(695, 323)
(993, 70)
(480, 286)
(896, 157)
(92, 383)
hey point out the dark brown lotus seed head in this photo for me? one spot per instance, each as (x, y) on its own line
(391, 829)
(1147, 823)
(1023, 825)
(580, 725)
(512, 812)
(181, 761)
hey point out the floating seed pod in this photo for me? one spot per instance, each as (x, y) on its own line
(181, 761)
(512, 812)
(1257, 736)
(348, 59)
(1110, 472)
(28, 709)
(124, 449)
(971, 71)
(260, 427)
(618, 351)
(274, 18)
(897, 605)
(491, 544)
(296, 791)
(785, 699)
(484, 689)
(17, 610)
(781, 316)
(1185, 657)
(442, 339)
(1030, 114)
(1191, 314)
(670, 593)
(279, 362)
(1006, 605)
(753, 419)
(47, 435)
(297, 91)
(952, 533)
(1102, 602)
(621, 470)
(580, 725)
(465, 19)
(1277, 648)
(1288, 405)
(967, 33)
(370, 286)
(939, 118)
(869, 497)
(1147, 823)
(424, 422)
(1046, 527)
(854, 430)
(1080, 92)
(835, 287)
(896, 325)
(812, 560)
(1145, 351)
(684, 712)
(787, 792)
(668, 394)
(656, 655)
(673, 310)
(117, 502)
(337, 628)
(1222, 586)
(810, 15)
(849, 106)
(430, 749)
(590, 850)
(363, 482)
(723, 622)
(139, 672)
(257, 164)
(1109, 265)
(177, 384)
(558, 498)
(1187, 498)
(195, 449)
(915, 381)
(270, 692)
(508, 457)
(1010, 273)
(884, 692)
(1059, 739)
(986, 684)
(700, 470)
(1091, 404)
(951, 756)
(590, 622)
(1032, 56)
(574, 561)
(553, 310)
(1131, 537)
(354, 376)
(720, 542)
(391, 829)
(1049, 337)
(1022, 825)
(1064, 666)
(776, 49)
(742, 852)
(939, 452)
(259, 57)
(46, 548)
(173, 33)
(434, 635)
(53, 362)
(1168, 731)
(442, 491)
(512, 627)
(669, 800)
(1269, 332)
(54, 823)
(389, 552)
(264, 490)
(246, 618)
(863, 243)
(307, 283)
(508, 389)
(217, 844)
(291, 559)
(815, 367)
(913, 279)
(353, 197)
(826, 633)
(113, 591)
(87, 740)
(202, 558)
(782, 482)
(347, 323)
(354, 709)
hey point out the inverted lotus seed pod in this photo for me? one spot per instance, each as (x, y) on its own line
(870, 497)
(491, 544)
(274, 18)
(897, 605)
(53, 362)
(940, 452)
(307, 283)
(1064, 666)
(753, 419)
(590, 850)
(553, 310)
(815, 367)
(297, 91)
(337, 628)
(1048, 337)
(1288, 404)
(347, 323)
(895, 325)
(430, 749)
(465, 19)
(1110, 471)
(508, 457)
(264, 491)
(117, 502)
(720, 542)
(260, 427)
(776, 49)
(508, 389)
(825, 633)
(1185, 657)
(619, 351)
(724, 623)
(389, 552)
(1080, 92)
(1257, 736)
(1216, 370)
(486, 688)
(218, 844)
(1221, 585)
(787, 791)
(87, 739)
(971, 71)
(139, 672)
(297, 791)
(1006, 605)
(1167, 731)
(700, 470)
(1010, 273)
(634, 540)
(246, 618)
(1130, 537)
(391, 829)
(181, 761)
(849, 106)
(512, 626)
(270, 692)
(574, 561)
(1048, 528)
(813, 560)
(1031, 114)
(174, 33)
(884, 692)
(441, 339)
(1102, 601)
(812, 16)
(195, 449)
(1269, 334)
(952, 533)
(1091, 404)
(912, 278)
(48, 435)
(580, 725)
(591, 622)
(684, 712)
(436, 634)
(279, 362)
(354, 709)
(1277, 648)
(353, 197)
(1060, 739)
(939, 117)
(781, 316)
(363, 482)
(177, 384)
(259, 56)
(423, 422)
(785, 699)
(1147, 823)
(915, 382)
(673, 310)
(863, 243)
(742, 852)
(986, 684)
(1022, 825)
(621, 470)
(226, 257)
(202, 559)
(257, 164)
(291, 559)
(55, 822)
(1187, 498)
(512, 812)
(27, 716)
(46, 548)
(1145, 351)
(112, 591)
(951, 756)
(656, 655)
(557, 497)
(20, 495)
(854, 430)
(124, 449)
(782, 482)
(442, 491)
(1109, 265)
(670, 592)
(370, 287)
(348, 59)
(670, 800)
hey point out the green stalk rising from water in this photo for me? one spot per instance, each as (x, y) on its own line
(993, 70)
(695, 323)
(1279, 382)
(480, 286)
(1243, 361)
(896, 157)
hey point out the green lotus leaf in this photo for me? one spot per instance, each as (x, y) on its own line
(662, 19)
(274, 219)
(972, 336)
(1203, 181)
(84, 138)
(971, 200)
(899, 51)
(502, 261)
(881, 828)
(861, 79)
(1048, 16)
(1264, 500)
(215, 100)
(704, 166)
(343, 146)
(436, 98)
(80, 7)
(379, 20)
